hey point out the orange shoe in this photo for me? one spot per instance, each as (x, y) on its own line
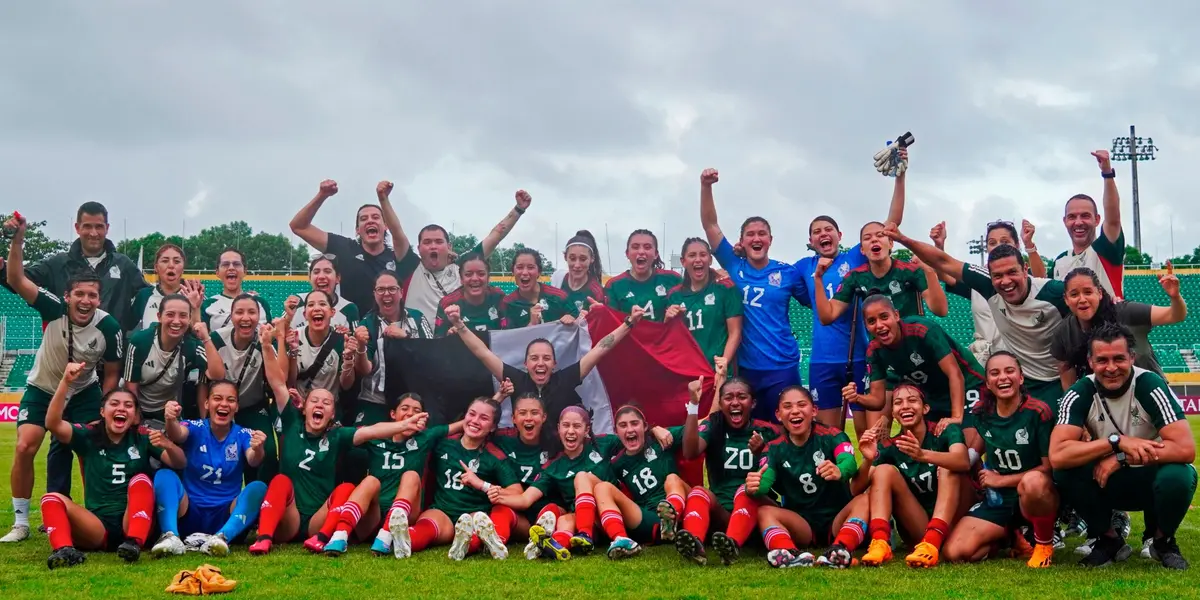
(924, 556)
(1042, 553)
(879, 552)
(1020, 547)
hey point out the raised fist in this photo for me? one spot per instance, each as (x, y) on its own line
(328, 188)
(523, 199)
(172, 411)
(454, 314)
(1104, 160)
(709, 177)
(201, 330)
(73, 371)
(1027, 231)
(362, 335)
(383, 189)
(938, 235)
(823, 265)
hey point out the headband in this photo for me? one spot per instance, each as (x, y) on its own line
(577, 410)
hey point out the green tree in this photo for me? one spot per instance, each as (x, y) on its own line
(38, 245)
(1133, 256)
(1188, 259)
(462, 244)
(502, 260)
(264, 251)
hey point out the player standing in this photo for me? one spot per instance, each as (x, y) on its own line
(1105, 253)
(324, 275)
(646, 283)
(478, 303)
(390, 319)
(583, 280)
(161, 356)
(169, 264)
(217, 310)
(712, 309)
(533, 302)
(241, 351)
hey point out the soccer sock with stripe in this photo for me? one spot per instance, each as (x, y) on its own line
(399, 504)
(585, 514)
(1043, 529)
(348, 517)
(881, 529)
(139, 508)
(339, 497)
(168, 492)
(613, 524)
(275, 503)
(744, 517)
(563, 538)
(777, 538)
(54, 517)
(422, 534)
(245, 510)
(696, 513)
(851, 534)
(935, 532)
(676, 502)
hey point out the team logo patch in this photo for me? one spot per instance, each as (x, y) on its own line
(579, 305)
(843, 269)
(545, 456)
(916, 359)
(894, 286)
(231, 452)
(1136, 415)
(492, 314)
(1040, 318)
(710, 300)
(134, 454)
(411, 444)
(651, 454)
(775, 279)
(1022, 437)
(818, 457)
(391, 265)
(542, 303)
(92, 345)
(473, 466)
(660, 290)
(595, 456)
(323, 446)
(23, 415)
(816, 396)
(114, 272)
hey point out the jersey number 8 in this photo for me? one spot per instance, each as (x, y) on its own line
(807, 483)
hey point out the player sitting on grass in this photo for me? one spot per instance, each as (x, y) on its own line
(914, 477)
(119, 497)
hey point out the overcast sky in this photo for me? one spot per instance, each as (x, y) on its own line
(605, 111)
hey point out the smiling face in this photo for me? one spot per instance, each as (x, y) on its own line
(93, 231)
(1009, 279)
(736, 403)
(369, 226)
(244, 317)
(231, 270)
(119, 412)
(631, 430)
(796, 412)
(908, 407)
(222, 404)
(539, 362)
(407, 408)
(169, 268)
(756, 241)
(1081, 220)
(1004, 377)
(317, 311)
(528, 418)
(434, 249)
(875, 244)
(883, 322)
(698, 261)
(1112, 362)
(474, 275)
(175, 318)
(999, 236)
(572, 431)
(1083, 297)
(389, 296)
(825, 238)
(579, 260)
(480, 420)
(318, 410)
(82, 301)
(323, 276)
(641, 251)
(526, 272)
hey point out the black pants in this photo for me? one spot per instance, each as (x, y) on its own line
(58, 468)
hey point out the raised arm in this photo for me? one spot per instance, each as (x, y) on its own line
(896, 209)
(937, 234)
(868, 448)
(400, 244)
(939, 260)
(593, 356)
(302, 224)
(15, 276)
(498, 233)
(872, 400)
(171, 454)
(828, 309)
(60, 429)
(1178, 310)
(934, 296)
(708, 208)
(954, 377)
(490, 361)
(387, 429)
(175, 432)
(274, 368)
(215, 367)
(693, 444)
(1111, 226)
(734, 326)
(1037, 267)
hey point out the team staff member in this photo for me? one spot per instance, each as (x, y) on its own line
(1140, 452)
(768, 357)
(1104, 253)
(711, 308)
(646, 283)
(169, 264)
(241, 352)
(217, 310)
(391, 319)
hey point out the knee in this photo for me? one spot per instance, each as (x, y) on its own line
(954, 551)
(164, 477)
(370, 484)
(27, 447)
(885, 474)
(1174, 479)
(583, 478)
(411, 478)
(1035, 484)
(674, 480)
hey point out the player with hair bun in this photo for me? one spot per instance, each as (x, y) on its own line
(583, 279)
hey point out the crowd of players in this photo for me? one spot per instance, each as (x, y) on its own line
(204, 418)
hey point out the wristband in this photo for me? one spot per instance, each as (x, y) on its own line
(520, 211)
(1109, 174)
(629, 322)
(693, 409)
(1031, 250)
(486, 486)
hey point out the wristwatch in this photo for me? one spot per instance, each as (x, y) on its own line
(1114, 440)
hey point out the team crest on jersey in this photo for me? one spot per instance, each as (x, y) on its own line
(391, 265)
(916, 359)
(473, 466)
(1022, 437)
(134, 454)
(323, 446)
(1040, 317)
(818, 457)
(660, 290)
(843, 269)
(595, 456)
(816, 397)
(545, 456)
(23, 415)
(542, 303)
(359, 418)
(579, 305)
(710, 300)
(651, 454)
(493, 315)
(114, 272)
(231, 452)
(1135, 415)
(411, 444)
(92, 345)
(775, 279)
(894, 286)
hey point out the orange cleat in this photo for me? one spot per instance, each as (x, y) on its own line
(924, 556)
(879, 552)
(1042, 553)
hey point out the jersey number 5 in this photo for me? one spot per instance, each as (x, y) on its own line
(118, 473)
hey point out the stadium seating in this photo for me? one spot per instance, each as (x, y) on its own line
(20, 371)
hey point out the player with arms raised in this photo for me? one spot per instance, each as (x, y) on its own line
(1104, 253)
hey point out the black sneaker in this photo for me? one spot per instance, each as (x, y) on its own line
(1166, 551)
(690, 547)
(1106, 550)
(67, 556)
(129, 550)
(726, 548)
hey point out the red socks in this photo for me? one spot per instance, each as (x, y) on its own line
(279, 496)
(139, 509)
(422, 534)
(54, 517)
(563, 538)
(777, 538)
(340, 495)
(1043, 529)
(881, 529)
(585, 514)
(613, 523)
(744, 517)
(504, 518)
(936, 531)
(851, 534)
(399, 504)
(676, 502)
(348, 518)
(696, 513)
(551, 508)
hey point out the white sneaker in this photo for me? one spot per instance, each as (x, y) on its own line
(401, 541)
(1085, 548)
(215, 545)
(168, 544)
(1146, 543)
(547, 521)
(464, 528)
(486, 530)
(18, 533)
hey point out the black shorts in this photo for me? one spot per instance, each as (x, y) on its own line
(114, 532)
(302, 533)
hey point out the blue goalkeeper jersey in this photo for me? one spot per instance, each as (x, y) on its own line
(830, 343)
(768, 343)
(213, 476)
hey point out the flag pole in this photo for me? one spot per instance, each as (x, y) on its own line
(607, 247)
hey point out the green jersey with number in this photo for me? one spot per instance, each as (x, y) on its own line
(921, 477)
(515, 311)
(481, 317)
(624, 292)
(63, 341)
(794, 469)
(915, 357)
(388, 460)
(1016, 443)
(729, 457)
(450, 495)
(310, 461)
(527, 460)
(645, 473)
(108, 467)
(581, 299)
(557, 479)
(706, 313)
(903, 284)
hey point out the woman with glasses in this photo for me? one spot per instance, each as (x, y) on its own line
(169, 263)
(390, 319)
(217, 311)
(324, 276)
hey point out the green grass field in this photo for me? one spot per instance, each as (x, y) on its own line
(658, 573)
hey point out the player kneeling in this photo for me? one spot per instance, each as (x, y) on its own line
(809, 469)
(119, 497)
(1015, 431)
(914, 477)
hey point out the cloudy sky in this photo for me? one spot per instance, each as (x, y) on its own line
(606, 112)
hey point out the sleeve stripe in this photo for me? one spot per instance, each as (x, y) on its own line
(1167, 405)
(1064, 407)
(129, 365)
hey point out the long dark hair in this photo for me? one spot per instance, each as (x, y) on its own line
(658, 262)
(714, 455)
(537, 258)
(712, 275)
(1106, 314)
(585, 237)
(987, 400)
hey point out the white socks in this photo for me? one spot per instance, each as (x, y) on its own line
(21, 509)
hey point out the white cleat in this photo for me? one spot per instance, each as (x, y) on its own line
(215, 545)
(486, 530)
(168, 544)
(18, 533)
(1146, 543)
(533, 551)
(464, 528)
(401, 540)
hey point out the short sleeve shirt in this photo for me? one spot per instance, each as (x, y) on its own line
(558, 393)
(706, 313)
(1141, 412)
(1069, 344)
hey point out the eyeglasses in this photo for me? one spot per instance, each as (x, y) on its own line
(237, 264)
(388, 290)
(995, 224)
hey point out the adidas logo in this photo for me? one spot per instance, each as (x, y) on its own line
(692, 514)
(141, 514)
(266, 504)
(629, 295)
(359, 257)
(50, 530)
(150, 364)
(203, 449)
(742, 511)
(20, 512)
(987, 435)
(445, 457)
(512, 455)
(787, 465)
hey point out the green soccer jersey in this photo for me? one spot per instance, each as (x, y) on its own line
(388, 461)
(729, 457)
(310, 461)
(624, 292)
(645, 473)
(706, 313)
(921, 477)
(481, 317)
(579, 300)
(107, 467)
(515, 310)
(488, 462)
(923, 343)
(527, 460)
(557, 479)
(903, 283)
(794, 472)
(1018, 442)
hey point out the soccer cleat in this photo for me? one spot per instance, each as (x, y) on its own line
(401, 540)
(623, 547)
(690, 547)
(215, 545)
(464, 528)
(1085, 548)
(1075, 525)
(726, 548)
(581, 543)
(486, 530)
(18, 533)
(669, 521)
(547, 520)
(879, 552)
(1021, 548)
(537, 535)
(129, 550)
(1105, 551)
(261, 546)
(1166, 551)
(1042, 553)
(314, 544)
(552, 549)
(67, 556)
(924, 556)
(785, 559)
(1121, 523)
(836, 557)
(336, 546)
(168, 544)
(1146, 543)
(195, 541)
(1059, 541)
(382, 546)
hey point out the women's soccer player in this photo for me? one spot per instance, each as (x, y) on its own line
(1013, 429)
(118, 496)
(390, 319)
(207, 497)
(169, 264)
(241, 352)
(809, 469)
(583, 280)
(533, 302)
(323, 275)
(161, 356)
(646, 283)
(711, 309)
(478, 302)
(319, 356)
(217, 310)
(914, 477)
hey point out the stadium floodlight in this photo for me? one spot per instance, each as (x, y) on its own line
(978, 246)
(1133, 149)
